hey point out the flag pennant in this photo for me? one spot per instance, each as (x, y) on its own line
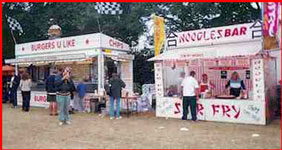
(108, 8)
(14, 24)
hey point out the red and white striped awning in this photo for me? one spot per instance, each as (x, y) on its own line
(210, 52)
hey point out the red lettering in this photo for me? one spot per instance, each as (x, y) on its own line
(68, 43)
(200, 109)
(193, 36)
(213, 34)
(205, 36)
(40, 98)
(219, 33)
(227, 32)
(43, 46)
(116, 44)
(235, 32)
(32, 47)
(48, 45)
(177, 106)
(53, 45)
(199, 36)
(215, 109)
(73, 42)
(243, 31)
(225, 110)
(59, 44)
(111, 42)
(183, 38)
(64, 44)
(237, 112)
(38, 47)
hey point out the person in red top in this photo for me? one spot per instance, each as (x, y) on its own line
(205, 84)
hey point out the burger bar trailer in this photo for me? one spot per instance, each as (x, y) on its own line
(93, 57)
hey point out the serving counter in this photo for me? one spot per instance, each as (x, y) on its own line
(223, 110)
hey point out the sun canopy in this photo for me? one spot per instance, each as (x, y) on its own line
(8, 68)
(52, 58)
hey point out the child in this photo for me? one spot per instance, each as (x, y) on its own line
(81, 94)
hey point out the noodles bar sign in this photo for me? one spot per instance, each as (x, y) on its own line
(219, 35)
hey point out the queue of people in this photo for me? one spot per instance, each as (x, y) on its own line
(60, 90)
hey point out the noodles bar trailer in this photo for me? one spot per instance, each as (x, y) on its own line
(93, 57)
(218, 52)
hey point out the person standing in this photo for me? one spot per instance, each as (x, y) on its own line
(190, 92)
(14, 84)
(5, 91)
(81, 93)
(236, 85)
(25, 86)
(206, 84)
(65, 87)
(51, 92)
(116, 85)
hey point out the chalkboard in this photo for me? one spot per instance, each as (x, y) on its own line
(223, 74)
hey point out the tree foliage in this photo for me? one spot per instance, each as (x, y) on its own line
(82, 18)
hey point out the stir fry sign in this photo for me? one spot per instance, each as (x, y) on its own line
(241, 111)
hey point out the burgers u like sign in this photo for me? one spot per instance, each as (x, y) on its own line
(219, 35)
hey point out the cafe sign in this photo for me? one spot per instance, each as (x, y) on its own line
(211, 36)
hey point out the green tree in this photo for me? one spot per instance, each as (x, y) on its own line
(82, 18)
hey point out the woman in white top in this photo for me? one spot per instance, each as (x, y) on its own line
(25, 86)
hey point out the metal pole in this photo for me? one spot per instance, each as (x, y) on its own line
(262, 12)
(97, 17)
(13, 37)
(15, 42)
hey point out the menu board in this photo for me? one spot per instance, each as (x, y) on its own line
(194, 63)
(125, 70)
(127, 74)
(180, 63)
(210, 63)
(258, 79)
(227, 62)
(159, 80)
(242, 62)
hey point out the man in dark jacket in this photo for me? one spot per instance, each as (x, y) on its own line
(116, 85)
(51, 93)
(15, 82)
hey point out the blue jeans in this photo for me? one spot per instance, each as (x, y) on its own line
(64, 104)
(80, 103)
(13, 97)
(112, 113)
